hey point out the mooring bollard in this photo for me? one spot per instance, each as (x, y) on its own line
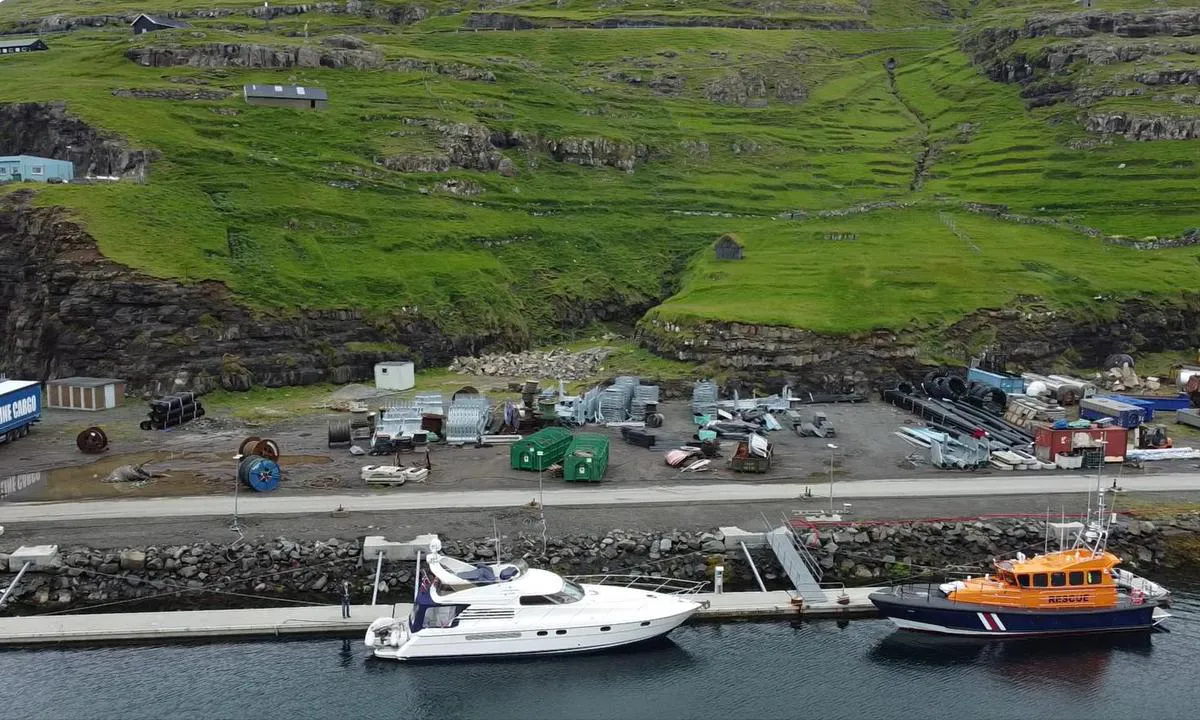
(718, 579)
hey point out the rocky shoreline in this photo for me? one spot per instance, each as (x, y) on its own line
(269, 572)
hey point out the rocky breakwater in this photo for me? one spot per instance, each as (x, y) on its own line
(248, 575)
(259, 573)
(67, 310)
(872, 553)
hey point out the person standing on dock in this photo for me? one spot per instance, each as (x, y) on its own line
(345, 599)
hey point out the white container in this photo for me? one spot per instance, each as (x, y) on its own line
(1068, 462)
(395, 375)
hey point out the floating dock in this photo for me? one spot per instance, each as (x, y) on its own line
(327, 619)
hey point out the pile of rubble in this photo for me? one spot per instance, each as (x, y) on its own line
(559, 363)
(1124, 378)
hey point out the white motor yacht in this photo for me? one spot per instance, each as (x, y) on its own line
(464, 610)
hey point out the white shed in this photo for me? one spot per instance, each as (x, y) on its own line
(395, 375)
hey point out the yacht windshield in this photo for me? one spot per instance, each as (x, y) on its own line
(571, 590)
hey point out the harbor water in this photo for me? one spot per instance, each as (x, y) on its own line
(857, 669)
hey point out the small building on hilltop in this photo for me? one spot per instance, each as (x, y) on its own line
(21, 45)
(728, 248)
(304, 98)
(16, 168)
(149, 23)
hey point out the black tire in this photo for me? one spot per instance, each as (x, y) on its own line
(146, 425)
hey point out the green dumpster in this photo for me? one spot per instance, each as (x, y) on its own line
(586, 459)
(540, 450)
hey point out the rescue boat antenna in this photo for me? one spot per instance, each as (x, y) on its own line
(1046, 535)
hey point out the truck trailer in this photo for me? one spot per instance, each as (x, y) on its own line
(20, 408)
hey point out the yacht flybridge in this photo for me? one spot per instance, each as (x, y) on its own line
(464, 610)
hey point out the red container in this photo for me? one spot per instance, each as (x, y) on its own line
(1050, 441)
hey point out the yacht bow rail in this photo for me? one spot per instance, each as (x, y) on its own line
(668, 586)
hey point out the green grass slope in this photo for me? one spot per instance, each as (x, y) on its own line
(297, 209)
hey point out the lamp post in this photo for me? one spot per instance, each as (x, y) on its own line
(832, 449)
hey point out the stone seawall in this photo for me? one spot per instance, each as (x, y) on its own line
(264, 573)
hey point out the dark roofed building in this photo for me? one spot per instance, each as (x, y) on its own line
(21, 44)
(296, 96)
(149, 23)
(728, 248)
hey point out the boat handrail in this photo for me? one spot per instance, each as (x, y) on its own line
(666, 585)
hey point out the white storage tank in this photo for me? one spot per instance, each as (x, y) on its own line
(395, 375)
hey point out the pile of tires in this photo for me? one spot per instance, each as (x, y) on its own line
(170, 411)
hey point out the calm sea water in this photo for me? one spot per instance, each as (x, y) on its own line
(861, 669)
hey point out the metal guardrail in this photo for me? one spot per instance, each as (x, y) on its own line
(669, 586)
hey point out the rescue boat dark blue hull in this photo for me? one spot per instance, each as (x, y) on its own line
(962, 619)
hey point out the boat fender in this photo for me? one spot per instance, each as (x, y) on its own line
(369, 640)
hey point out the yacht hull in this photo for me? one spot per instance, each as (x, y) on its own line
(450, 645)
(983, 621)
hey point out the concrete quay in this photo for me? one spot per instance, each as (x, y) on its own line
(102, 628)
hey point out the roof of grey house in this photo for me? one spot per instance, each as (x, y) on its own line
(20, 41)
(291, 92)
(164, 21)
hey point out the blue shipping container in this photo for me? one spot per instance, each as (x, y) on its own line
(20, 406)
(1123, 414)
(1145, 406)
(1011, 384)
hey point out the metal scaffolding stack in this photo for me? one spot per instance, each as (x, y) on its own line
(704, 398)
(614, 401)
(643, 395)
(467, 419)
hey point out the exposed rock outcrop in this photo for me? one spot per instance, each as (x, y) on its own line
(148, 94)
(1034, 336)
(254, 56)
(475, 147)
(67, 310)
(1141, 127)
(746, 87)
(335, 55)
(48, 130)
(507, 21)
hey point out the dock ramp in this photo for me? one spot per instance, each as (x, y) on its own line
(798, 563)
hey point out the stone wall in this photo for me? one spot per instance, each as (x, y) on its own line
(246, 575)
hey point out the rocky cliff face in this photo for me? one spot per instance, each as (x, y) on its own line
(506, 21)
(1034, 336)
(67, 310)
(47, 130)
(1060, 70)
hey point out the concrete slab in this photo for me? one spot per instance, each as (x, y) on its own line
(395, 550)
(735, 536)
(40, 555)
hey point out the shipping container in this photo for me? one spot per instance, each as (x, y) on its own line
(1145, 406)
(586, 459)
(1123, 414)
(1050, 442)
(540, 450)
(20, 408)
(1009, 383)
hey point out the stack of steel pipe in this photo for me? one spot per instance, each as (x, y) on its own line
(171, 410)
(958, 416)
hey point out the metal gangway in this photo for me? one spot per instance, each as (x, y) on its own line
(797, 562)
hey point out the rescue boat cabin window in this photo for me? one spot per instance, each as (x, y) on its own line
(1076, 577)
(1040, 580)
(1058, 579)
(1094, 577)
(1023, 580)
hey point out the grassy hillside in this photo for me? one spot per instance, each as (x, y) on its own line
(713, 130)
